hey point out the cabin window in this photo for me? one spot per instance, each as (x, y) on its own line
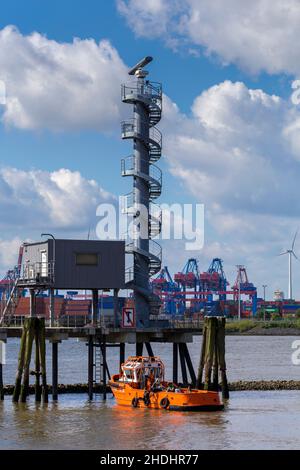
(128, 374)
(87, 259)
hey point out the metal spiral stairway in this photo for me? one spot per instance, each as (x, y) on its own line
(146, 97)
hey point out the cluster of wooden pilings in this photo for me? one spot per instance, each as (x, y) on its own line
(212, 360)
(211, 371)
(33, 331)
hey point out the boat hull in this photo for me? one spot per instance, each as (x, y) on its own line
(185, 400)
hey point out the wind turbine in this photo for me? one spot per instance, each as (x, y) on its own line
(290, 253)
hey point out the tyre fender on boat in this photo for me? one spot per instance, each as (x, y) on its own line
(164, 403)
(135, 402)
(147, 398)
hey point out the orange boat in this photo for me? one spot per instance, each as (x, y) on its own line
(142, 384)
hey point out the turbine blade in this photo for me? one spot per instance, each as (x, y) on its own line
(294, 239)
(295, 256)
(283, 253)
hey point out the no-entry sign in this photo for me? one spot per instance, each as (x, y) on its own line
(128, 317)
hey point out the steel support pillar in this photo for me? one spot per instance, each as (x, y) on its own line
(55, 370)
(183, 365)
(116, 308)
(175, 363)
(51, 308)
(90, 366)
(139, 349)
(95, 303)
(122, 354)
(189, 364)
(104, 368)
(149, 349)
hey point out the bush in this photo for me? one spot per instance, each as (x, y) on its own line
(260, 314)
(275, 316)
(240, 326)
(297, 313)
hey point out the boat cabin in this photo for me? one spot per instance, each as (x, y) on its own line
(136, 370)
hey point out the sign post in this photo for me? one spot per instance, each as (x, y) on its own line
(128, 317)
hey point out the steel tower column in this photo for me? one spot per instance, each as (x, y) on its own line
(141, 199)
(290, 276)
(146, 98)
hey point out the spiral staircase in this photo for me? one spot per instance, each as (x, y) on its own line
(149, 95)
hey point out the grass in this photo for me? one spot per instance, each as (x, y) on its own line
(247, 325)
(240, 326)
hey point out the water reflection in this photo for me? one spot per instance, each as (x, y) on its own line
(251, 420)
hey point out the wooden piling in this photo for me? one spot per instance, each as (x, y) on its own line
(210, 347)
(221, 357)
(17, 389)
(33, 330)
(38, 390)
(215, 379)
(27, 359)
(213, 356)
(199, 383)
(42, 344)
(32, 312)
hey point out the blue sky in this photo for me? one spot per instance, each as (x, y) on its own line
(247, 221)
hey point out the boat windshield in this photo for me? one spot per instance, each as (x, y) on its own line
(137, 369)
(128, 373)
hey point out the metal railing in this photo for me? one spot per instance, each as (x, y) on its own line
(148, 90)
(186, 323)
(128, 164)
(130, 128)
(37, 273)
(155, 250)
(129, 206)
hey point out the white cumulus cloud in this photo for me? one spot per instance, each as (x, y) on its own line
(237, 152)
(60, 200)
(60, 86)
(9, 250)
(261, 35)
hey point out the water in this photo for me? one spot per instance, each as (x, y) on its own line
(251, 420)
(248, 358)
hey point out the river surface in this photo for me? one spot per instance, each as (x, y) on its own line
(251, 420)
